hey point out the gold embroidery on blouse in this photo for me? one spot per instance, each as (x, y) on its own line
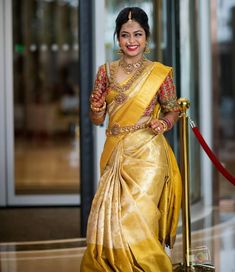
(121, 97)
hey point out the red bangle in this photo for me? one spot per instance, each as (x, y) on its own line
(168, 122)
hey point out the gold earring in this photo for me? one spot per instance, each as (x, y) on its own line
(119, 51)
(147, 50)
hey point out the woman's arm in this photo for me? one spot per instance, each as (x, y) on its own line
(169, 106)
(97, 98)
(97, 107)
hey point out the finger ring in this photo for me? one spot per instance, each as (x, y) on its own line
(158, 129)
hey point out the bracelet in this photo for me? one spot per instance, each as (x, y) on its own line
(164, 124)
(168, 123)
(95, 109)
(97, 118)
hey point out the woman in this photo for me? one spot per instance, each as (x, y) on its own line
(135, 210)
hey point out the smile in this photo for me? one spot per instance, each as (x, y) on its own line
(132, 47)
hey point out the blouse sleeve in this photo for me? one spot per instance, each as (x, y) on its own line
(167, 96)
(101, 81)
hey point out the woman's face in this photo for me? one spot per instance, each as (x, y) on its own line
(132, 39)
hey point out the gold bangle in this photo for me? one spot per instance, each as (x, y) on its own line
(95, 109)
(164, 124)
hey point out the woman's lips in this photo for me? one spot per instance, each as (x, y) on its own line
(132, 47)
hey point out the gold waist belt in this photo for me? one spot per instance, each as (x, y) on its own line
(116, 129)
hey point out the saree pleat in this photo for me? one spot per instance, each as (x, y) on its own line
(135, 210)
(124, 222)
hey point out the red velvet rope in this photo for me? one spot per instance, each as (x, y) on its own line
(212, 156)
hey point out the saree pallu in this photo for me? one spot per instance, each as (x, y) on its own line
(135, 210)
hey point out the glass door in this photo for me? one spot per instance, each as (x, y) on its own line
(224, 104)
(43, 102)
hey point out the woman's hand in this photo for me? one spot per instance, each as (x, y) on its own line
(165, 123)
(97, 98)
(158, 126)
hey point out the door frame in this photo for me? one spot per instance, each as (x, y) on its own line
(7, 180)
(2, 109)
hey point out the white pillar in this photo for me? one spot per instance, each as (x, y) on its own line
(206, 97)
(185, 54)
(99, 58)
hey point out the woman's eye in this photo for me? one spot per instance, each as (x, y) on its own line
(138, 34)
(124, 35)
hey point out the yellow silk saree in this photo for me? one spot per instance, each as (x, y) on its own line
(135, 211)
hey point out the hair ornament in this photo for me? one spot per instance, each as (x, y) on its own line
(129, 16)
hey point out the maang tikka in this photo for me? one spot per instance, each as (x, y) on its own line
(129, 16)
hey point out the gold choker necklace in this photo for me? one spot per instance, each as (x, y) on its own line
(128, 68)
(121, 88)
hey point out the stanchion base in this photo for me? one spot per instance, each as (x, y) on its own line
(193, 268)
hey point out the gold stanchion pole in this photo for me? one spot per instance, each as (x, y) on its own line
(187, 264)
(185, 178)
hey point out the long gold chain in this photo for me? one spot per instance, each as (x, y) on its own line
(124, 87)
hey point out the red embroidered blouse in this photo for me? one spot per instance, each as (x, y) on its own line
(166, 95)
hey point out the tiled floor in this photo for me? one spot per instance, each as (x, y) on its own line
(213, 241)
(64, 256)
(215, 244)
(39, 223)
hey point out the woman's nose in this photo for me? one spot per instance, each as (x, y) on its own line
(131, 39)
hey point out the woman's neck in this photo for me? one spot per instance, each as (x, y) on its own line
(132, 60)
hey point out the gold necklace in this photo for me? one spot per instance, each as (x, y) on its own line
(128, 68)
(121, 88)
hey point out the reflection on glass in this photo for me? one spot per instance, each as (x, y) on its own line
(46, 96)
(226, 91)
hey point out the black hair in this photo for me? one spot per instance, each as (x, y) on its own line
(137, 14)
